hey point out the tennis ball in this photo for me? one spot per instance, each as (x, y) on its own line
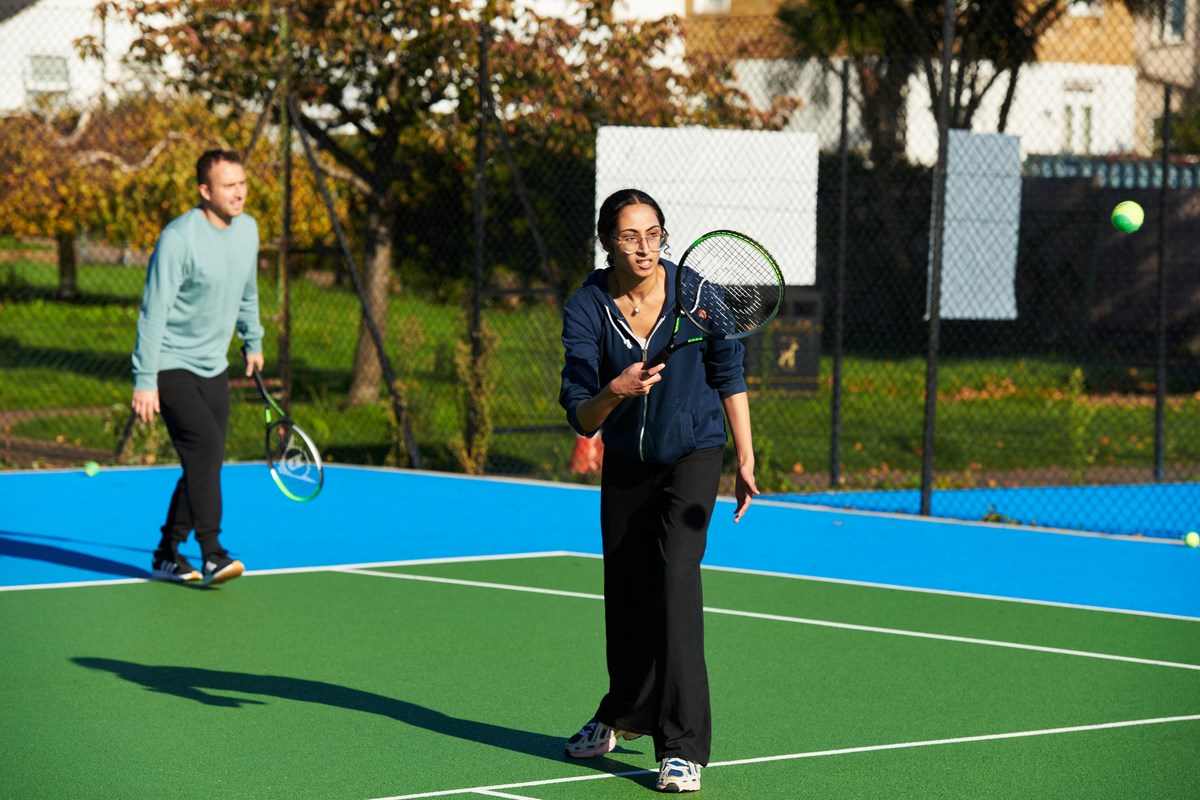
(91, 468)
(1192, 539)
(1128, 216)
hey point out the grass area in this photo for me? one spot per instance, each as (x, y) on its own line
(997, 417)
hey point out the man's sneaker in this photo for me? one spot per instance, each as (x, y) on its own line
(678, 775)
(168, 567)
(220, 568)
(593, 739)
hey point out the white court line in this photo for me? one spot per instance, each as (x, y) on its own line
(949, 593)
(301, 570)
(797, 620)
(73, 584)
(924, 590)
(992, 737)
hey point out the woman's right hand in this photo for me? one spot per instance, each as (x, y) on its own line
(636, 380)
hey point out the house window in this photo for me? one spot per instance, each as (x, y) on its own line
(47, 80)
(1169, 19)
(1077, 120)
(711, 6)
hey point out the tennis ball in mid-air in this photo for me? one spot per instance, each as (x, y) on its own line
(1192, 539)
(91, 468)
(1128, 216)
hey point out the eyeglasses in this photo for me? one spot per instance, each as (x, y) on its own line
(632, 243)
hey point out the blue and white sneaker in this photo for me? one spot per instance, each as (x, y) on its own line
(593, 739)
(678, 775)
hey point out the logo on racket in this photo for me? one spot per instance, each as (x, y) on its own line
(295, 462)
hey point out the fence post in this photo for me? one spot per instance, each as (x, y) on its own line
(935, 271)
(1160, 392)
(481, 152)
(839, 303)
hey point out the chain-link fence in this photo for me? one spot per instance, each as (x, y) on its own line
(1062, 353)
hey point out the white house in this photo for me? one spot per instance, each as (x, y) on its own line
(39, 61)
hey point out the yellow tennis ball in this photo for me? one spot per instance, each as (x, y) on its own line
(91, 468)
(1192, 539)
(1128, 216)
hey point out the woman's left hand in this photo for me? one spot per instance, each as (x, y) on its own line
(744, 489)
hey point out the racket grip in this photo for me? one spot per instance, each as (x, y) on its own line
(663, 357)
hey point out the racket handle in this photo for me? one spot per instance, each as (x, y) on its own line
(663, 356)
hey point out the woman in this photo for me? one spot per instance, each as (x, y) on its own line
(664, 439)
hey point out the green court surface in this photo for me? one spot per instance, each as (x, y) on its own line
(463, 678)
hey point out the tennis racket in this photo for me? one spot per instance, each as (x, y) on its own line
(293, 458)
(728, 286)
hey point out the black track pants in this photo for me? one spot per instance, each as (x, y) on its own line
(654, 521)
(196, 412)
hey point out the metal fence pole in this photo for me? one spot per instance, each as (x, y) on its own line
(1160, 393)
(935, 272)
(481, 152)
(839, 303)
(284, 334)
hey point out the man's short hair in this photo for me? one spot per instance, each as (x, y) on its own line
(205, 163)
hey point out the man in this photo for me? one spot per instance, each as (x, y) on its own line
(200, 287)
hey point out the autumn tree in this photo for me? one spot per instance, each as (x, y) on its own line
(122, 169)
(380, 82)
(108, 170)
(48, 188)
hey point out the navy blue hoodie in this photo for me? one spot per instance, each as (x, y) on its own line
(683, 412)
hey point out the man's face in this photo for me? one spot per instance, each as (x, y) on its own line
(225, 191)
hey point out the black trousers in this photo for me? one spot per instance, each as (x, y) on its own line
(654, 523)
(196, 412)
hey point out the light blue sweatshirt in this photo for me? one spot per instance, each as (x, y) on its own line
(200, 287)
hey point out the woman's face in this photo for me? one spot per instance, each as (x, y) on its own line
(637, 241)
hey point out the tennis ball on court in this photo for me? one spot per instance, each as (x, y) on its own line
(1128, 216)
(1192, 539)
(91, 468)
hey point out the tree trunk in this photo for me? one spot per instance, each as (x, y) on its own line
(883, 83)
(68, 266)
(368, 372)
(1010, 92)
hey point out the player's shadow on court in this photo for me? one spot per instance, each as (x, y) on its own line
(11, 547)
(192, 683)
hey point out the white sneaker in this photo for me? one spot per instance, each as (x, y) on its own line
(594, 739)
(678, 775)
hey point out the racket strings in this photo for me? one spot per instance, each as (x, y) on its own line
(291, 456)
(731, 287)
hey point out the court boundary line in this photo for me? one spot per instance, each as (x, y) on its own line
(947, 592)
(297, 570)
(850, 626)
(926, 590)
(595, 556)
(814, 754)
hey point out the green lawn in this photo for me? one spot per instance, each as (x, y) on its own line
(996, 416)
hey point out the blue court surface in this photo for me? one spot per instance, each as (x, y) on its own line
(1156, 509)
(59, 527)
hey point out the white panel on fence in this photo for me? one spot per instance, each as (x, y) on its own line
(761, 183)
(982, 226)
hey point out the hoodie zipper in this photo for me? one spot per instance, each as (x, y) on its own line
(622, 326)
(645, 406)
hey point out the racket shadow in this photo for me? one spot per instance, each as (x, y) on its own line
(194, 683)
